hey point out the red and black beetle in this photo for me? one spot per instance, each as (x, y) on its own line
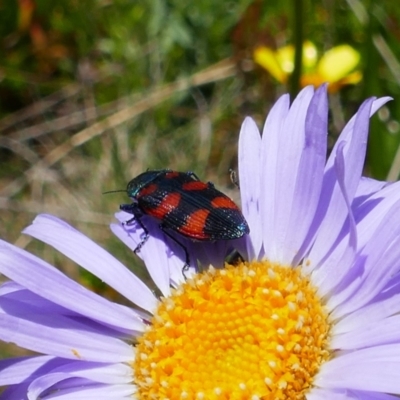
(185, 205)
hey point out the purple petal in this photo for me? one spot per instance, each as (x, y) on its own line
(366, 188)
(345, 394)
(332, 210)
(369, 217)
(373, 369)
(363, 395)
(93, 258)
(332, 215)
(78, 390)
(386, 332)
(17, 370)
(249, 172)
(108, 373)
(23, 298)
(382, 250)
(339, 261)
(62, 337)
(310, 175)
(15, 392)
(46, 281)
(328, 394)
(375, 312)
(132, 237)
(163, 258)
(210, 253)
(270, 173)
(347, 132)
(371, 212)
(154, 252)
(291, 142)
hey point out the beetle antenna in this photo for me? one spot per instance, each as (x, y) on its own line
(115, 191)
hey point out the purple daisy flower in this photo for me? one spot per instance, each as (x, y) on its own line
(313, 312)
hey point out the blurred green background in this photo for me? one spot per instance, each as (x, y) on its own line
(94, 92)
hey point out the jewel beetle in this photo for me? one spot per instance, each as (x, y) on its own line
(183, 204)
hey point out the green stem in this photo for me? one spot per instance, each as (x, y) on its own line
(298, 20)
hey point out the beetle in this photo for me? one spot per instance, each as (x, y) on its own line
(185, 205)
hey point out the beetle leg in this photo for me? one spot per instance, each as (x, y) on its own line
(186, 266)
(193, 175)
(146, 233)
(133, 209)
(130, 209)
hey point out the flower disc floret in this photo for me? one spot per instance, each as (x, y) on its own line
(256, 330)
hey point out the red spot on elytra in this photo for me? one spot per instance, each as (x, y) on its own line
(171, 174)
(148, 189)
(168, 203)
(195, 185)
(223, 202)
(194, 224)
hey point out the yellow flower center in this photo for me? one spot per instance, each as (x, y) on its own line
(254, 331)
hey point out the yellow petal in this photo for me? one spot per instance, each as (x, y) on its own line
(268, 60)
(311, 79)
(338, 62)
(285, 56)
(310, 55)
(350, 79)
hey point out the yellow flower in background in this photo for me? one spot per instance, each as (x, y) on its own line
(336, 66)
